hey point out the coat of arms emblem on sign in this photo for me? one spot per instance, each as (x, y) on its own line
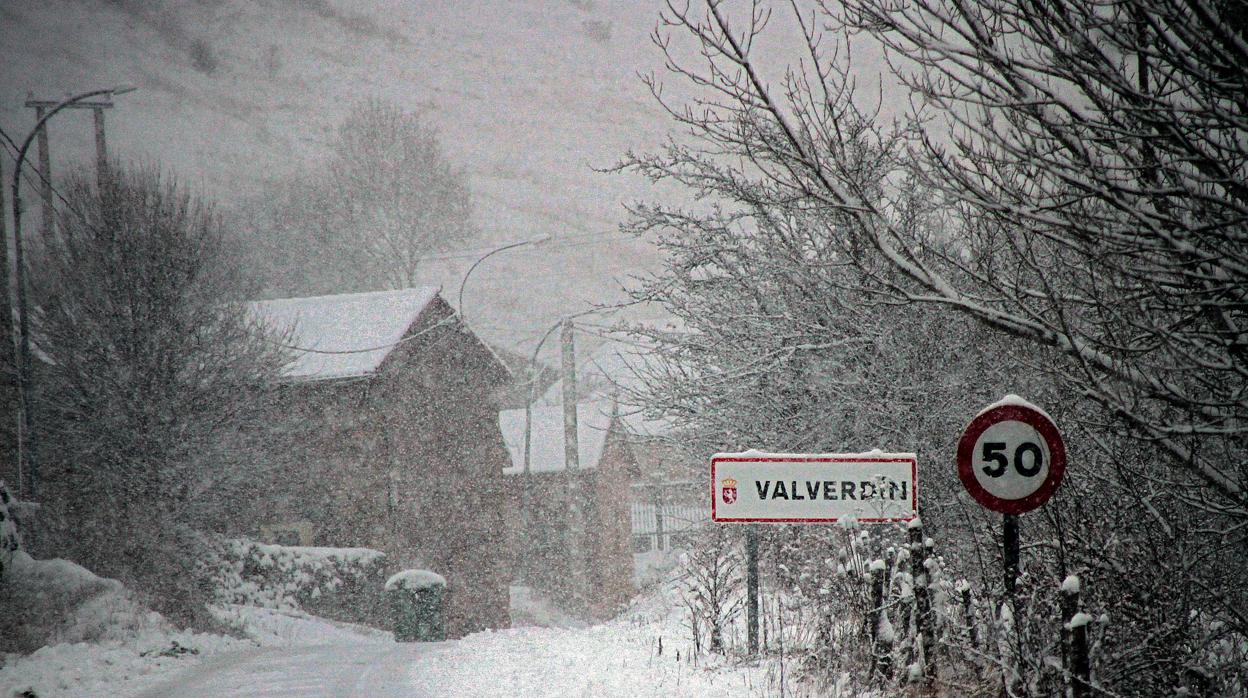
(729, 489)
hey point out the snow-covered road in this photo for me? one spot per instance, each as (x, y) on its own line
(337, 670)
(647, 651)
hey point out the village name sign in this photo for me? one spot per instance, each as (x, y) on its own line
(757, 487)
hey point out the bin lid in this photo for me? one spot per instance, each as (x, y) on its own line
(415, 579)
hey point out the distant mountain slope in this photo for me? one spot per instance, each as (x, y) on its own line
(528, 96)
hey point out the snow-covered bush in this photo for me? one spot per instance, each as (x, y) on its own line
(52, 601)
(712, 583)
(155, 384)
(339, 583)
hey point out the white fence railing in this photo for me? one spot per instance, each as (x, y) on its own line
(661, 526)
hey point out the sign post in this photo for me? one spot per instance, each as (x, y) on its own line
(1011, 459)
(755, 487)
(751, 588)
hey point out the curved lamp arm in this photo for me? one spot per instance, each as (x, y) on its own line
(536, 239)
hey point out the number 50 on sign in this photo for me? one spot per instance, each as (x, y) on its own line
(1011, 457)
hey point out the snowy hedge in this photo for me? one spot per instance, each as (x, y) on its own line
(47, 602)
(338, 583)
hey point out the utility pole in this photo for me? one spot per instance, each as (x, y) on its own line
(571, 450)
(9, 452)
(101, 147)
(45, 172)
(45, 158)
(26, 442)
(572, 466)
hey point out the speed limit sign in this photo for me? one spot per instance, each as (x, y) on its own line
(1011, 457)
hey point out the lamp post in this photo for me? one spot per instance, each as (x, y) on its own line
(528, 404)
(25, 382)
(535, 240)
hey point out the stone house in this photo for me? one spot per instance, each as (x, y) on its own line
(389, 439)
(568, 528)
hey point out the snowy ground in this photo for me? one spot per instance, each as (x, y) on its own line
(297, 655)
(151, 660)
(616, 659)
(338, 669)
(110, 645)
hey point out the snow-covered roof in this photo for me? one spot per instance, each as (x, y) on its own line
(546, 452)
(364, 325)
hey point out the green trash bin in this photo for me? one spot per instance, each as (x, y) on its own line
(416, 598)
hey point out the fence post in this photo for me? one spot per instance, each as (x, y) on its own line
(1075, 639)
(923, 621)
(880, 628)
(963, 589)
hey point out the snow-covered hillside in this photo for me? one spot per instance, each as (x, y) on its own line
(529, 96)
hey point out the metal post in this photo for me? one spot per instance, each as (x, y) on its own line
(529, 486)
(572, 468)
(8, 353)
(1009, 543)
(26, 440)
(1009, 557)
(751, 588)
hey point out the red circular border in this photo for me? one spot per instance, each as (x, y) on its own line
(1038, 421)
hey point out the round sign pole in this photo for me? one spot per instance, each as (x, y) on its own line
(1011, 459)
(1009, 552)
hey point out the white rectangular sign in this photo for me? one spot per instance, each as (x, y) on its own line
(756, 487)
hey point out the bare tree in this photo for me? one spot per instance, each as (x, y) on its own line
(386, 197)
(712, 583)
(1071, 175)
(1092, 165)
(154, 388)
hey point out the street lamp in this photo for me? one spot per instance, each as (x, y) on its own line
(536, 239)
(25, 382)
(532, 397)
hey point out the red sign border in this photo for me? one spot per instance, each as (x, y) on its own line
(1018, 413)
(845, 458)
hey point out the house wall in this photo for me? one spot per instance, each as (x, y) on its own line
(408, 461)
(610, 533)
(539, 541)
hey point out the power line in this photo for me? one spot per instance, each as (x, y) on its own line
(440, 323)
(42, 179)
(554, 243)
